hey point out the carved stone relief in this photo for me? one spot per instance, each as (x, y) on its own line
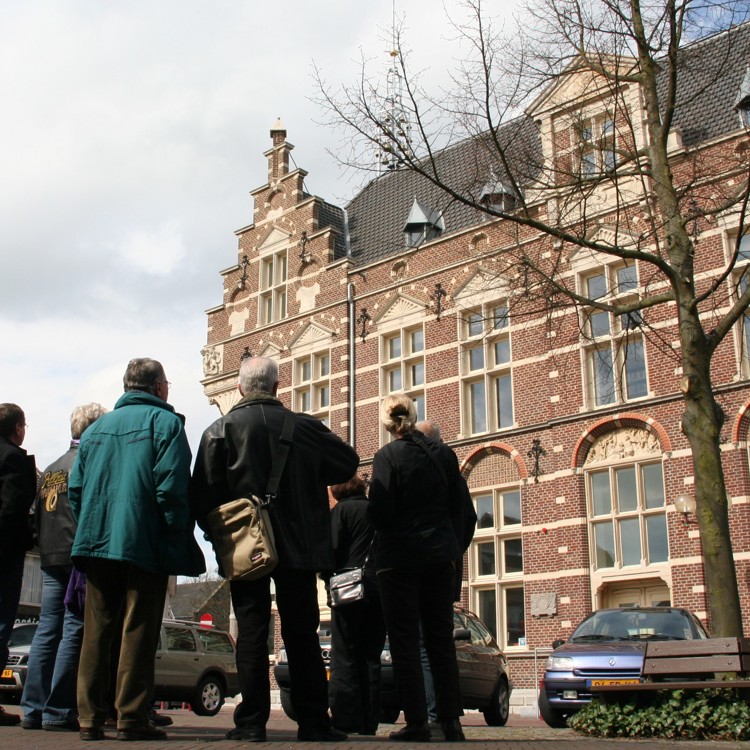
(624, 443)
(213, 357)
(544, 604)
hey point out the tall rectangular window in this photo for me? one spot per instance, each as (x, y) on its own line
(273, 282)
(486, 369)
(403, 371)
(312, 385)
(496, 553)
(613, 346)
(627, 515)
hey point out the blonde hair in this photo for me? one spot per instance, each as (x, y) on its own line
(398, 414)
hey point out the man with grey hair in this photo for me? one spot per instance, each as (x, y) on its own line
(49, 691)
(234, 460)
(129, 494)
(17, 489)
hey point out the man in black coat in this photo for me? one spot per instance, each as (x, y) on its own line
(234, 460)
(17, 491)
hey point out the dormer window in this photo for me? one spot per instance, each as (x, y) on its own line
(423, 225)
(596, 144)
(499, 196)
(742, 103)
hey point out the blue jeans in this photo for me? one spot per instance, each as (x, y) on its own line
(49, 693)
(11, 576)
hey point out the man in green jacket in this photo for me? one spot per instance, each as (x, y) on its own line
(129, 493)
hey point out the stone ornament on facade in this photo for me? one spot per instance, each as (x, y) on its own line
(212, 359)
(544, 604)
(624, 443)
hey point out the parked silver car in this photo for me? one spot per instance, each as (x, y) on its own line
(194, 665)
(607, 648)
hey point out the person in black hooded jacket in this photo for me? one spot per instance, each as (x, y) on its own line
(357, 628)
(234, 460)
(418, 502)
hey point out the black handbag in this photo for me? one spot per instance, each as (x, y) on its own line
(347, 586)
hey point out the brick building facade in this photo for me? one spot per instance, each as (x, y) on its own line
(573, 451)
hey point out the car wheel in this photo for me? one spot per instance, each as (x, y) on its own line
(553, 717)
(286, 703)
(209, 696)
(496, 714)
(389, 714)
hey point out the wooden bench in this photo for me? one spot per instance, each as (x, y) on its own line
(690, 665)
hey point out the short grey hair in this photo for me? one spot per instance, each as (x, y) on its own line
(398, 414)
(143, 374)
(430, 429)
(258, 375)
(83, 416)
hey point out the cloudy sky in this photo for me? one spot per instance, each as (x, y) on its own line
(131, 135)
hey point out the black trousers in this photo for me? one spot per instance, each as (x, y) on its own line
(297, 604)
(357, 638)
(408, 596)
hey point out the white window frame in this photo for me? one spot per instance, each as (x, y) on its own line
(485, 332)
(403, 366)
(617, 517)
(608, 337)
(499, 580)
(312, 385)
(272, 299)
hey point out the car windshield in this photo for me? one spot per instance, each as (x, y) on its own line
(21, 635)
(637, 625)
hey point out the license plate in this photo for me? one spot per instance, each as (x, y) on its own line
(599, 683)
(7, 674)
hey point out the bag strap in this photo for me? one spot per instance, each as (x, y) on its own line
(420, 441)
(279, 458)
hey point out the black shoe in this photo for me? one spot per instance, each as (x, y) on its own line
(452, 730)
(145, 732)
(31, 724)
(412, 733)
(160, 720)
(248, 734)
(92, 734)
(331, 734)
(8, 720)
(69, 726)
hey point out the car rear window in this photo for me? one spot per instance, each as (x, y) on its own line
(216, 643)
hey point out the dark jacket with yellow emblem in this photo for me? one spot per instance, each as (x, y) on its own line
(54, 524)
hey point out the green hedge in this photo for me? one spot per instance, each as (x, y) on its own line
(676, 714)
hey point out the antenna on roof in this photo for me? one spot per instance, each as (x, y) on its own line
(395, 126)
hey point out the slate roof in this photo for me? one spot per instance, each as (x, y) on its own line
(705, 110)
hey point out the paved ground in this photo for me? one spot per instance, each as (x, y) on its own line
(191, 732)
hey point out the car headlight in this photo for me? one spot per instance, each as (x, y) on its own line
(559, 662)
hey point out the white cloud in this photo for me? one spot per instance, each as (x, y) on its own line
(132, 133)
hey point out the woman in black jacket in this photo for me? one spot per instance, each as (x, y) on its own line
(357, 628)
(418, 501)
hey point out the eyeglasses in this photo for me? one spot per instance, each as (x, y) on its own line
(165, 382)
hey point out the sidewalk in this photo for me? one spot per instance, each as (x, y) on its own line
(191, 732)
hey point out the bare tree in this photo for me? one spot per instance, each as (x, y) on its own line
(637, 169)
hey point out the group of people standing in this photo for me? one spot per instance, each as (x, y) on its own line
(132, 509)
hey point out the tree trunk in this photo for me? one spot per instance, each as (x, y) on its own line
(701, 423)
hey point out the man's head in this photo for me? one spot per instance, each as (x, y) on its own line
(83, 416)
(146, 375)
(430, 430)
(258, 375)
(12, 423)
